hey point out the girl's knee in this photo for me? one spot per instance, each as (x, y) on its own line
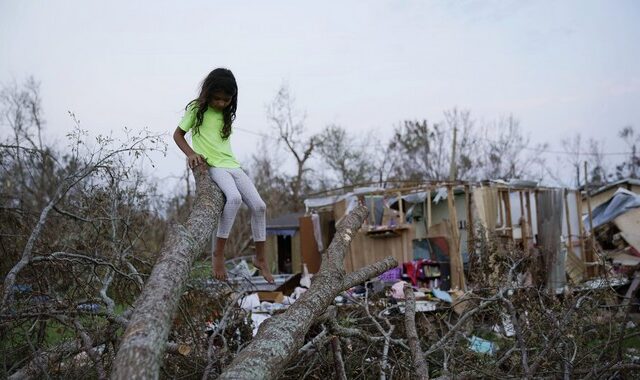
(259, 207)
(235, 200)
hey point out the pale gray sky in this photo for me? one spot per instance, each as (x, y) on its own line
(559, 67)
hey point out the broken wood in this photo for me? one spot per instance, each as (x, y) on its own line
(338, 363)
(470, 230)
(575, 266)
(428, 208)
(529, 220)
(144, 341)
(583, 250)
(524, 225)
(457, 272)
(593, 265)
(507, 211)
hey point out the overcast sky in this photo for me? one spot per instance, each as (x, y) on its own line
(560, 67)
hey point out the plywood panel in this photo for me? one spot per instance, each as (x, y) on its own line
(296, 258)
(365, 250)
(271, 249)
(308, 245)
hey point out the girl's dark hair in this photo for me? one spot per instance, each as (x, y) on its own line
(219, 80)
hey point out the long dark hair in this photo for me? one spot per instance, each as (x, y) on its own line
(219, 80)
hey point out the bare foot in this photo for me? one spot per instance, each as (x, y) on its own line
(219, 271)
(262, 264)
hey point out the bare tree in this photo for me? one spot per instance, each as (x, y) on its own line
(346, 156)
(423, 151)
(291, 130)
(509, 153)
(630, 167)
(76, 230)
(576, 152)
(271, 182)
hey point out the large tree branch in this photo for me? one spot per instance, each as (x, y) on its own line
(419, 362)
(144, 341)
(280, 337)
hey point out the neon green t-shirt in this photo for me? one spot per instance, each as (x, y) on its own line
(208, 141)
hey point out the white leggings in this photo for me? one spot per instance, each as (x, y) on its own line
(237, 187)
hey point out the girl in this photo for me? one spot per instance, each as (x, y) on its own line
(209, 118)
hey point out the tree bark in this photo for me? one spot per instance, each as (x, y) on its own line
(338, 363)
(143, 344)
(279, 338)
(419, 363)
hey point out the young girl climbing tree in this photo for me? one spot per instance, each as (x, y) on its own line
(209, 117)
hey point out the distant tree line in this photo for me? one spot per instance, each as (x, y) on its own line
(421, 150)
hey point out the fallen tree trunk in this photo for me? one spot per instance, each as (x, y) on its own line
(279, 338)
(144, 342)
(419, 363)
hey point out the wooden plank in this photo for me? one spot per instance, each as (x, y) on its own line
(581, 232)
(507, 207)
(470, 229)
(429, 219)
(400, 209)
(296, 258)
(529, 218)
(457, 270)
(592, 269)
(524, 225)
(575, 266)
(308, 246)
(568, 217)
(501, 225)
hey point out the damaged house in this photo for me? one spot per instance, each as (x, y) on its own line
(430, 228)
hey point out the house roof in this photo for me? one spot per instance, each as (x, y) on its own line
(285, 221)
(616, 184)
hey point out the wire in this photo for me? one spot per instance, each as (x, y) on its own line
(486, 139)
(579, 153)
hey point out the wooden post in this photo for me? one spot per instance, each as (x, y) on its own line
(529, 219)
(585, 255)
(566, 211)
(400, 223)
(592, 246)
(428, 208)
(507, 211)
(457, 270)
(400, 209)
(453, 169)
(524, 225)
(500, 208)
(470, 230)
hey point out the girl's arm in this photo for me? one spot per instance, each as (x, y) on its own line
(193, 158)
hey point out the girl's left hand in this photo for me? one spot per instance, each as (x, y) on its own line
(195, 160)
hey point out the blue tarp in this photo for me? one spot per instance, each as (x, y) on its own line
(622, 201)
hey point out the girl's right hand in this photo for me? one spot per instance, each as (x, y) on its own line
(195, 160)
